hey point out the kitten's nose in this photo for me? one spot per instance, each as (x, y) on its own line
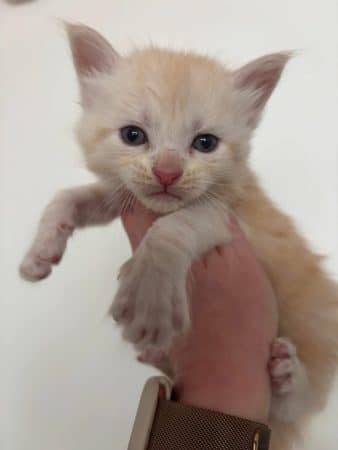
(167, 178)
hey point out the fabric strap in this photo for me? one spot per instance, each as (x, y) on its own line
(182, 427)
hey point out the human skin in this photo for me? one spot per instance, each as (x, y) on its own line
(221, 362)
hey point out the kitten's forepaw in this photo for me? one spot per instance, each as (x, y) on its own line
(47, 250)
(150, 305)
(283, 366)
(34, 269)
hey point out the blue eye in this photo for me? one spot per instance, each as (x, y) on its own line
(133, 135)
(205, 143)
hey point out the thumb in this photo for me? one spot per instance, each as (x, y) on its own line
(137, 221)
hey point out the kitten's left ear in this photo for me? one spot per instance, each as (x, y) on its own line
(257, 80)
(92, 55)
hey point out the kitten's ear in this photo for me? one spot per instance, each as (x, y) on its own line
(257, 80)
(92, 55)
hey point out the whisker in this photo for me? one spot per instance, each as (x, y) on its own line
(124, 202)
(105, 205)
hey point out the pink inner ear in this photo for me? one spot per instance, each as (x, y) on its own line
(262, 82)
(86, 57)
(91, 52)
(260, 77)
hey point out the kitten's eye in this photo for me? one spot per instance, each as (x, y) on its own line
(205, 143)
(133, 135)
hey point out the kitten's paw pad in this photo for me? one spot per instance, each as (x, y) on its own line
(149, 305)
(47, 250)
(157, 358)
(283, 366)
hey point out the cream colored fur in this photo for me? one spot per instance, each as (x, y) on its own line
(174, 96)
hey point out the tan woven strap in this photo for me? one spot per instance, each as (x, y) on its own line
(182, 427)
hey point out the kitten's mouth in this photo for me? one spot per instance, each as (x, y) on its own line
(164, 194)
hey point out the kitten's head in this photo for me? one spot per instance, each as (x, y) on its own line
(170, 127)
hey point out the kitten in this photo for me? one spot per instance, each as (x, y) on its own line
(173, 130)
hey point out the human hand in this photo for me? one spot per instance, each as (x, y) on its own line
(221, 362)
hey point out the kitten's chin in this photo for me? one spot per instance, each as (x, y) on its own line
(162, 204)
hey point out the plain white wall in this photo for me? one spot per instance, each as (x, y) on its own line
(68, 382)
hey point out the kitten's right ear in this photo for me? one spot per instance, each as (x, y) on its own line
(92, 55)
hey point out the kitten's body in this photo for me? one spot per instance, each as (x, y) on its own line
(157, 89)
(307, 302)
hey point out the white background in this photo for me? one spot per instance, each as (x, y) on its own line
(67, 380)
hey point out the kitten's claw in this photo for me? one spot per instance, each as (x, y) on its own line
(47, 250)
(151, 307)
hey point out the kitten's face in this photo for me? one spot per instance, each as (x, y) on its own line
(164, 113)
(171, 128)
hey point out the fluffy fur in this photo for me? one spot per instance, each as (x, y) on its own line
(175, 96)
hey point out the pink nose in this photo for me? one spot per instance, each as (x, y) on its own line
(167, 178)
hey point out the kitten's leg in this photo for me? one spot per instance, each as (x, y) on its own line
(151, 302)
(72, 208)
(290, 386)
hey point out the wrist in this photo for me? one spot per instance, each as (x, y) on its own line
(234, 393)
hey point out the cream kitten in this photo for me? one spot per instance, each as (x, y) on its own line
(173, 129)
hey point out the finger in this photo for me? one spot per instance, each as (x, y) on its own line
(198, 268)
(237, 230)
(210, 259)
(238, 252)
(136, 223)
(213, 259)
(136, 210)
